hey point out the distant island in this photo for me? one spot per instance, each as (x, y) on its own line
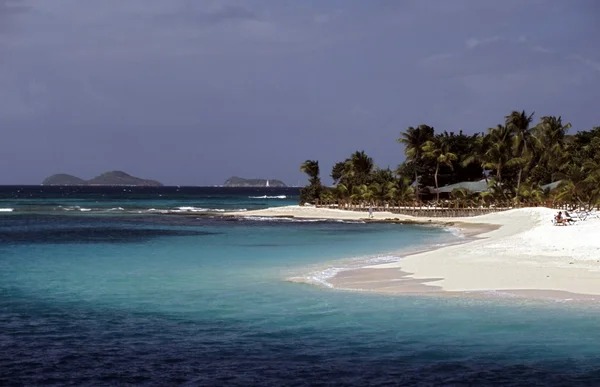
(241, 182)
(107, 178)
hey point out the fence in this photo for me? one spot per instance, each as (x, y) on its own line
(447, 208)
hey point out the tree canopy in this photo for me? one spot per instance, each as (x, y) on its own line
(516, 159)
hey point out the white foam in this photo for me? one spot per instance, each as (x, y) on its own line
(190, 209)
(280, 219)
(455, 231)
(350, 221)
(298, 220)
(7, 209)
(200, 209)
(321, 277)
(384, 259)
(268, 197)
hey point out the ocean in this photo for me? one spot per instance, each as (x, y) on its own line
(154, 286)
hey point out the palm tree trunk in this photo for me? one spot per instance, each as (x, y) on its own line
(519, 180)
(437, 168)
(417, 185)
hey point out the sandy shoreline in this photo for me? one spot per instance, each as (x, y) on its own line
(516, 252)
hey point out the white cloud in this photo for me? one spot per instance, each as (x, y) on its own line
(542, 50)
(471, 43)
(436, 59)
(321, 18)
(586, 61)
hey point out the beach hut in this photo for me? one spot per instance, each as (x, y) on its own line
(552, 186)
(472, 186)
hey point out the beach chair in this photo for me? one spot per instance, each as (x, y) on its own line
(593, 214)
(561, 222)
(589, 214)
(571, 219)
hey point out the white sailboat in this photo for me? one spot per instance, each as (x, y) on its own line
(267, 183)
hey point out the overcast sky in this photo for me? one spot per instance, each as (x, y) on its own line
(192, 92)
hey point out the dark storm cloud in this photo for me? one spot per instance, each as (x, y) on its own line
(191, 92)
(9, 7)
(192, 13)
(8, 10)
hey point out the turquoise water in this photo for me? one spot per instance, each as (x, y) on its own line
(162, 299)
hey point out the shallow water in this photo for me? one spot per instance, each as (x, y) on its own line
(171, 299)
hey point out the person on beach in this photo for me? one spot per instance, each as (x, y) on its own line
(559, 219)
(370, 211)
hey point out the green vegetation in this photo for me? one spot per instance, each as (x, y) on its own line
(241, 182)
(515, 161)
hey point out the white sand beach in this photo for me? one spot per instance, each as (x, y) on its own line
(521, 253)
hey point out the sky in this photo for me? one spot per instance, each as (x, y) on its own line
(192, 92)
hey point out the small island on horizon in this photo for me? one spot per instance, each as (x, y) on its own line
(241, 182)
(106, 178)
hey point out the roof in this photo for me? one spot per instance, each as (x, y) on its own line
(552, 185)
(473, 186)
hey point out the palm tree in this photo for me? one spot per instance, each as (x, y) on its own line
(497, 150)
(327, 196)
(573, 186)
(413, 140)
(438, 149)
(592, 168)
(341, 192)
(337, 172)
(496, 190)
(374, 193)
(311, 168)
(361, 163)
(359, 192)
(518, 123)
(550, 151)
(404, 190)
(551, 133)
(476, 154)
(312, 192)
(530, 191)
(399, 190)
(358, 168)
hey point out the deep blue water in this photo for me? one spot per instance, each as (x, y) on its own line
(118, 297)
(141, 200)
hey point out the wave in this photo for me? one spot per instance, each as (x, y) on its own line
(268, 197)
(278, 219)
(455, 231)
(384, 259)
(297, 220)
(349, 221)
(180, 210)
(74, 208)
(7, 209)
(197, 209)
(322, 275)
(200, 209)
(175, 210)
